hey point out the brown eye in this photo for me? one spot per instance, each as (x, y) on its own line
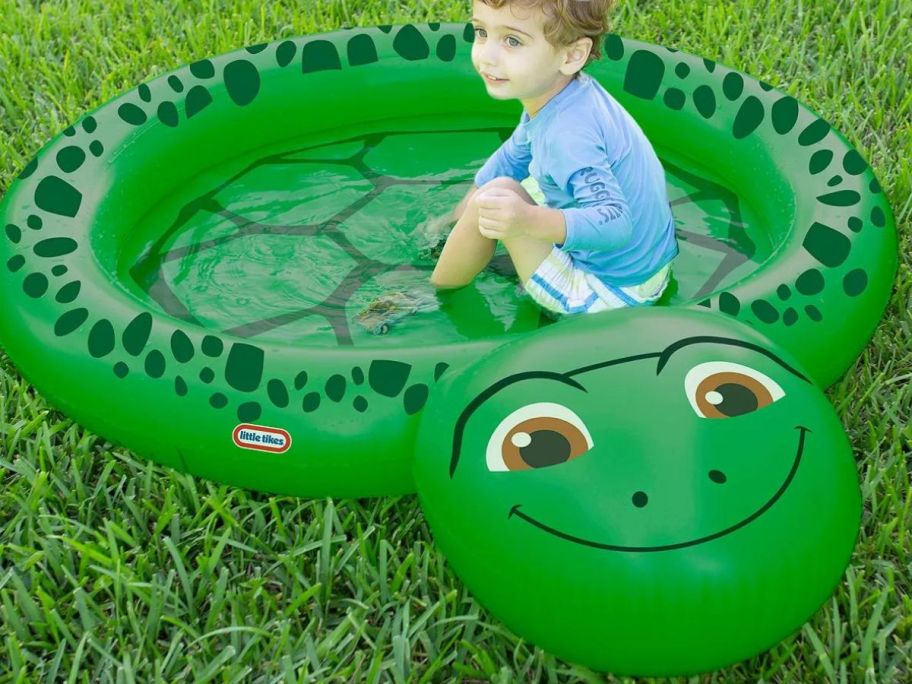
(537, 436)
(727, 390)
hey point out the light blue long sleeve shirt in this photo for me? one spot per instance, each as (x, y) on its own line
(593, 162)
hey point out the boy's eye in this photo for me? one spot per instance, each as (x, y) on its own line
(479, 32)
(509, 38)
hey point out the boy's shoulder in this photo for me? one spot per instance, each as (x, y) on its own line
(592, 111)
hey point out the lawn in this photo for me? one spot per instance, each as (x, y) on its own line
(116, 569)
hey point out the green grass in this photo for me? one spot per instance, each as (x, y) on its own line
(112, 568)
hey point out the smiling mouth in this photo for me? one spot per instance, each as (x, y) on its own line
(669, 547)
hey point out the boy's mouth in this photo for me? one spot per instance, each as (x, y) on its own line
(491, 79)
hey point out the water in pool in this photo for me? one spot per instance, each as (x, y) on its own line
(294, 245)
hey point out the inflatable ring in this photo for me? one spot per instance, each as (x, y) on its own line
(123, 232)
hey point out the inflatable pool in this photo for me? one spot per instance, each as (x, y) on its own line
(184, 266)
(187, 271)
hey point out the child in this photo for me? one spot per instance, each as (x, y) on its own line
(606, 238)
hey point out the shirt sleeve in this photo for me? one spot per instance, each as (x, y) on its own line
(583, 168)
(511, 159)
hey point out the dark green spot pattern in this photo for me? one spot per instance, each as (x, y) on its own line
(132, 114)
(878, 218)
(814, 133)
(810, 282)
(181, 346)
(675, 99)
(35, 285)
(70, 158)
(614, 47)
(319, 55)
(388, 378)
(410, 44)
(198, 98)
(842, 198)
(155, 364)
(242, 81)
(202, 69)
(311, 402)
(212, 346)
(54, 195)
(732, 86)
(69, 292)
(855, 282)
(853, 163)
(335, 387)
(55, 247)
(828, 246)
(705, 100)
(785, 115)
(278, 393)
(285, 53)
(167, 114)
(136, 334)
(361, 51)
(749, 117)
(244, 368)
(415, 398)
(765, 311)
(729, 304)
(69, 321)
(249, 412)
(446, 49)
(820, 160)
(101, 339)
(644, 74)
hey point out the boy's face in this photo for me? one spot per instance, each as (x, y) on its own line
(510, 45)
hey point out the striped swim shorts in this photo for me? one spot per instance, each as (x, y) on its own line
(562, 287)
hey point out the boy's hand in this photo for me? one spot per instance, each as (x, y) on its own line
(501, 213)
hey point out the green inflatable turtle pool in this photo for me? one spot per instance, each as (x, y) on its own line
(193, 270)
(205, 243)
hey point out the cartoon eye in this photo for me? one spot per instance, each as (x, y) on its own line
(719, 389)
(537, 436)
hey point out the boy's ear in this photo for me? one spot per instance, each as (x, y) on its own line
(577, 54)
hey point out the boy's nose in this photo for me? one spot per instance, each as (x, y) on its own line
(489, 54)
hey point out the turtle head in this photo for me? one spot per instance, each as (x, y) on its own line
(587, 470)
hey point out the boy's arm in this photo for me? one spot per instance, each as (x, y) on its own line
(582, 165)
(544, 223)
(511, 159)
(602, 220)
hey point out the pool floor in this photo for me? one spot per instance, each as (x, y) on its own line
(294, 245)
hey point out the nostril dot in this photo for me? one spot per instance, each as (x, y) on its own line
(640, 499)
(717, 476)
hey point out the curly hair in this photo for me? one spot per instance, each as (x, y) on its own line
(569, 20)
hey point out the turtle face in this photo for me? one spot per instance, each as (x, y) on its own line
(638, 484)
(539, 442)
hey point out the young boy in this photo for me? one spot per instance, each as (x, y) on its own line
(606, 238)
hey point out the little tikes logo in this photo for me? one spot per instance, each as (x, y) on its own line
(261, 438)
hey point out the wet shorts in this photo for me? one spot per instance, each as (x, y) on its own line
(562, 287)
